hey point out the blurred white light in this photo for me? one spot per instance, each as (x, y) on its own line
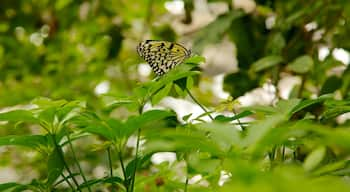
(311, 26)
(217, 87)
(286, 85)
(247, 5)
(264, 95)
(44, 31)
(144, 69)
(270, 22)
(341, 55)
(36, 39)
(161, 157)
(317, 35)
(175, 7)
(224, 176)
(20, 32)
(323, 52)
(102, 88)
(195, 179)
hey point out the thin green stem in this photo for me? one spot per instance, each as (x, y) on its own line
(136, 159)
(186, 184)
(77, 162)
(60, 152)
(239, 121)
(123, 168)
(199, 104)
(110, 161)
(110, 166)
(66, 180)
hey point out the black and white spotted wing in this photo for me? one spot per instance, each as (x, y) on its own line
(162, 56)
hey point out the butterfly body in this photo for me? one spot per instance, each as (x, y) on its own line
(162, 56)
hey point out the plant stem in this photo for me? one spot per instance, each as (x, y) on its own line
(110, 161)
(186, 184)
(77, 162)
(200, 105)
(66, 180)
(60, 152)
(136, 159)
(110, 165)
(123, 169)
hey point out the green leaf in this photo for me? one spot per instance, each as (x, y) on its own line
(224, 135)
(54, 166)
(331, 84)
(144, 120)
(240, 115)
(314, 158)
(301, 65)
(195, 59)
(6, 186)
(266, 62)
(31, 141)
(202, 165)
(177, 73)
(276, 43)
(161, 93)
(309, 102)
(18, 115)
(215, 30)
(181, 141)
(92, 182)
(179, 90)
(189, 83)
(259, 134)
(186, 117)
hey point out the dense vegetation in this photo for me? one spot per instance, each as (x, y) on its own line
(75, 101)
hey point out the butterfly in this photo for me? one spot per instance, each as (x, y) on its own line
(162, 56)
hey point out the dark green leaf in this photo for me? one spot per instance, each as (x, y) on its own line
(54, 166)
(31, 141)
(266, 62)
(301, 65)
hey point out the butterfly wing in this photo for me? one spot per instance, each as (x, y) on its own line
(162, 55)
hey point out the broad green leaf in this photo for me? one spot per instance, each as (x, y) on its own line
(181, 141)
(260, 130)
(276, 43)
(144, 120)
(189, 82)
(332, 168)
(266, 62)
(195, 59)
(331, 84)
(7, 186)
(202, 165)
(31, 141)
(301, 65)
(45, 103)
(179, 90)
(161, 93)
(54, 166)
(314, 158)
(308, 102)
(18, 115)
(224, 135)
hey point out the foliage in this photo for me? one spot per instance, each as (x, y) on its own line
(53, 54)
